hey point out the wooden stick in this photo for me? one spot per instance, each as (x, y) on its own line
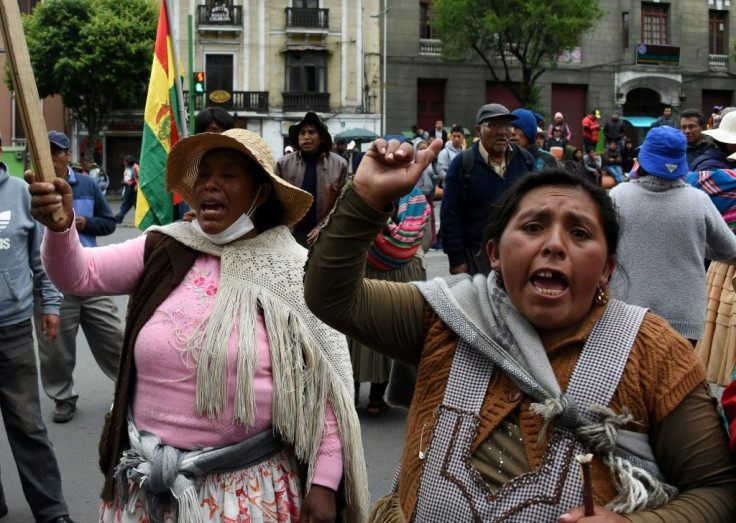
(26, 93)
(584, 460)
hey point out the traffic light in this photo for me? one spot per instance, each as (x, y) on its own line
(199, 82)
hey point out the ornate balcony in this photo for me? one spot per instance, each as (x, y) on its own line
(717, 62)
(302, 102)
(309, 19)
(430, 47)
(220, 16)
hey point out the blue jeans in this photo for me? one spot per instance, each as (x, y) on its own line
(616, 172)
(21, 409)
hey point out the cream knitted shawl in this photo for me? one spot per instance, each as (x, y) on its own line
(310, 360)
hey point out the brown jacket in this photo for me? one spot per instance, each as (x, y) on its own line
(332, 173)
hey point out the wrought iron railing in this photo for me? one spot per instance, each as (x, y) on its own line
(306, 102)
(249, 101)
(305, 18)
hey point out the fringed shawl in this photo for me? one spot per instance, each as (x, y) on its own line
(310, 360)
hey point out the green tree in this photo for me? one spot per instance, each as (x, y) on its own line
(528, 35)
(95, 54)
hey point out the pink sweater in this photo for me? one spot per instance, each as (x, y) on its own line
(165, 369)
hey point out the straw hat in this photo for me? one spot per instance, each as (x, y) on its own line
(183, 165)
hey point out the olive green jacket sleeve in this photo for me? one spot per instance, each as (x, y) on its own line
(691, 448)
(386, 316)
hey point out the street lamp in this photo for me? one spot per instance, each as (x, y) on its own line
(383, 13)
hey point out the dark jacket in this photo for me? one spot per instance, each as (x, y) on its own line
(698, 150)
(614, 130)
(465, 207)
(627, 159)
(712, 159)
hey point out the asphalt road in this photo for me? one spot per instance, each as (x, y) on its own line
(76, 442)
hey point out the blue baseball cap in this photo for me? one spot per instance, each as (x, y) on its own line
(663, 153)
(59, 139)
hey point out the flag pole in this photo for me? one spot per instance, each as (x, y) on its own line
(183, 131)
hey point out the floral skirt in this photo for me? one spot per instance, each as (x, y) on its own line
(267, 492)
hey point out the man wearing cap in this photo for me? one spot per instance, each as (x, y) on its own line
(97, 315)
(692, 124)
(591, 129)
(23, 275)
(724, 145)
(523, 133)
(478, 177)
(660, 258)
(316, 170)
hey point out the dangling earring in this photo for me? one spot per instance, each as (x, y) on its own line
(499, 280)
(601, 298)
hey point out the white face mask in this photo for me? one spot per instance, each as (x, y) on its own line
(239, 228)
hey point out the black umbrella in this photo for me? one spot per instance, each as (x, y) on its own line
(357, 134)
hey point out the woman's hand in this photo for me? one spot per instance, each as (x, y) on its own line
(602, 515)
(387, 172)
(47, 198)
(319, 506)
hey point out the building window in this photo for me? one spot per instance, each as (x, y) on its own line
(306, 4)
(26, 6)
(219, 72)
(718, 32)
(625, 29)
(654, 22)
(306, 72)
(426, 15)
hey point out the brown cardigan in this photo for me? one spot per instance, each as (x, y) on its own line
(660, 384)
(166, 263)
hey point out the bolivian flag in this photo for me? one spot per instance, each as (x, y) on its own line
(160, 132)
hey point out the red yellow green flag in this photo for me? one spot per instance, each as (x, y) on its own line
(160, 132)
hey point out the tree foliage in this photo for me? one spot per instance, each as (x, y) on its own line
(95, 54)
(526, 34)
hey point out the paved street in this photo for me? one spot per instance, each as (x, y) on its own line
(76, 441)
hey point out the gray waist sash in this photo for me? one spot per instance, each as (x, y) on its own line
(159, 468)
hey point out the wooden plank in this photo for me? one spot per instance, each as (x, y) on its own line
(26, 93)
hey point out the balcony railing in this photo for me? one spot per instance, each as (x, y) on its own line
(302, 102)
(430, 47)
(249, 101)
(220, 14)
(717, 62)
(304, 18)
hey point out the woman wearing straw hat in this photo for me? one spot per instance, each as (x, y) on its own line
(233, 401)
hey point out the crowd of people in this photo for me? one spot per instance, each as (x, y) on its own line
(577, 330)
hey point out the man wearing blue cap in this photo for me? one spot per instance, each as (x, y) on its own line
(97, 315)
(669, 228)
(476, 179)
